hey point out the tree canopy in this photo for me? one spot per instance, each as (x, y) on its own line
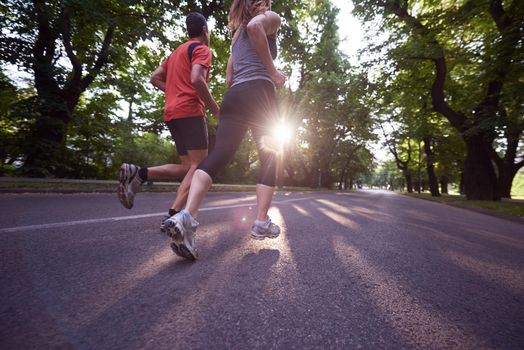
(441, 83)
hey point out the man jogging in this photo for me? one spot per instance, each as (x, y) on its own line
(183, 77)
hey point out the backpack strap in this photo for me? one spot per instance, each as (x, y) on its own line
(191, 48)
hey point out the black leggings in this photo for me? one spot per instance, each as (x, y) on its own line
(247, 105)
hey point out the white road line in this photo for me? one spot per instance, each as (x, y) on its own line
(131, 217)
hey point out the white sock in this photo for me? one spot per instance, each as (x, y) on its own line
(262, 223)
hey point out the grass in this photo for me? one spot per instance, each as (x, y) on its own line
(102, 187)
(502, 207)
(56, 186)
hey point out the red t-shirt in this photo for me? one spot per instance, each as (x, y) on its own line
(181, 100)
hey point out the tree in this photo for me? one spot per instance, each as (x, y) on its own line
(475, 50)
(327, 107)
(91, 142)
(15, 113)
(387, 176)
(400, 146)
(66, 45)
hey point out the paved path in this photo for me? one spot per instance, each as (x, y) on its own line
(366, 269)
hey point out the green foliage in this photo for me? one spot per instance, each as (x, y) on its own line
(109, 113)
(91, 143)
(475, 48)
(150, 150)
(386, 176)
(17, 112)
(68, 45)
(328, 108)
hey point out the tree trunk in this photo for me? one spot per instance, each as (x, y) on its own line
(505, 180)
(444, 181)
(480, 180)
(290, 174)
(409, 181)
(416, 186)
(327, 179)
(45, 145)
(433, 182)
(462, 187)
(341, 181)
(315, 173)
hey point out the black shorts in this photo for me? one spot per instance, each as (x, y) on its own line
(189, 134)
(249, 105)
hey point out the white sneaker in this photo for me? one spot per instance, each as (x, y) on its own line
(182, 229)
(130, 184)
(266, 229)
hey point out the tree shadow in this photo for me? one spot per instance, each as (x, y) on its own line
(412, 264)
(335, 311)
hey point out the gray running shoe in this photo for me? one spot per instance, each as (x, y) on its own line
(129, 185)
(182, 229)
(265, 230)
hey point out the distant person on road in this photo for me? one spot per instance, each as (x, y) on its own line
(250, 103)
(183, 77)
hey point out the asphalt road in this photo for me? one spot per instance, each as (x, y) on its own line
(366, 269)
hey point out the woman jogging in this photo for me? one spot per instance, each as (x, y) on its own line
(250, 103)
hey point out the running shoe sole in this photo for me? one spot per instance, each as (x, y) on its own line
(123, 177)
(163, 226)
(178, 246)
(262, 237)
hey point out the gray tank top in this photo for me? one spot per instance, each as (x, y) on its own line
(246, 63)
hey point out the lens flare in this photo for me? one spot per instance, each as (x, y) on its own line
(282, 132)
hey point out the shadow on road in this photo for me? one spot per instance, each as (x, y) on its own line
(425, 281)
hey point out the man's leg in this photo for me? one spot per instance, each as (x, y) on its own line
(195, 157)
(170, 171)
(132, 177)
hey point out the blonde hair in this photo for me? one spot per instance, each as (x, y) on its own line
(242, 11)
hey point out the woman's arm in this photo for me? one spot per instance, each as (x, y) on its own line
(258, 29)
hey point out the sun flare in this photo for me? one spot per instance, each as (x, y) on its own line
(282, 132)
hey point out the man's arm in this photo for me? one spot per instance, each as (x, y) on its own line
(258, 29)
(158, 79)
(198, 80)
(229, 72)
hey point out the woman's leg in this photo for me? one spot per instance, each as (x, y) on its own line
(230, 133)
(263, 227)
(267, 175)
(264, 198)
(200, 185)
